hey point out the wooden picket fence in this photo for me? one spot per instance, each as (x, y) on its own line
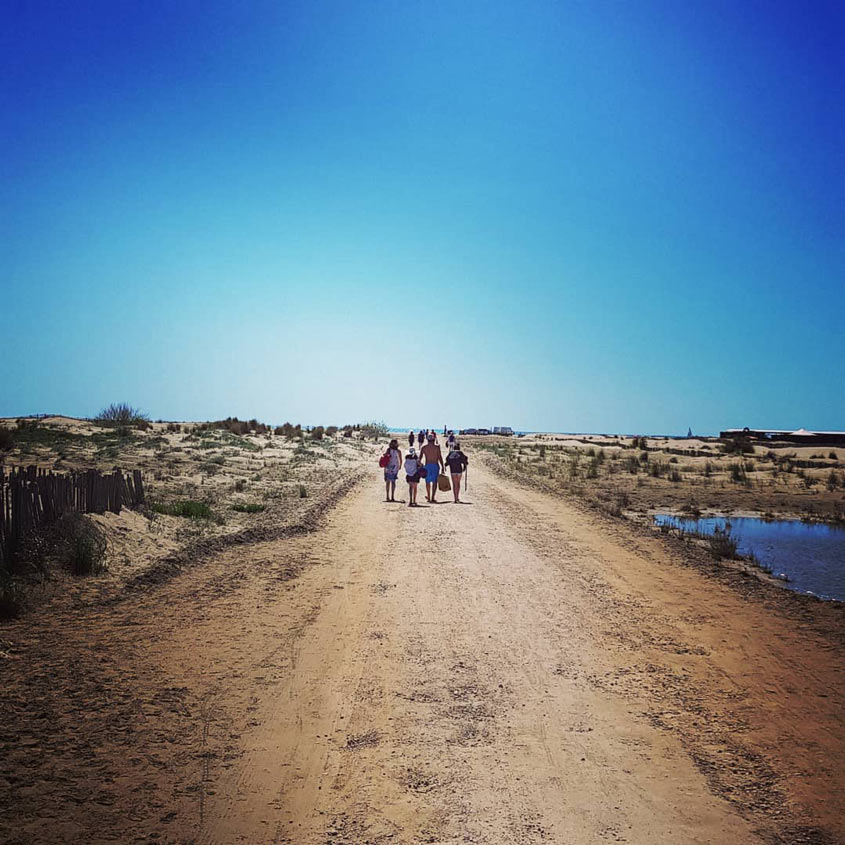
(32, 497)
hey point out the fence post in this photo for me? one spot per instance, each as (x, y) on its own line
(31, 497)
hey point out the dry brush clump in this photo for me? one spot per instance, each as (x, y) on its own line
(374, 429)
(739, 472)
(122, 415)
(7, 443)
(737, 446)
(83, 545)
(234, 426)
(73, 543)
(296, 432)
(12, 596)
(289, 431)
(616, 504)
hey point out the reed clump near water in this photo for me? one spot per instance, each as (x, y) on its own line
(721, 544)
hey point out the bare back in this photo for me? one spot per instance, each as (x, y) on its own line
(431, 453)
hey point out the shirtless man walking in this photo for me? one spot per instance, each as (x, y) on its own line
(433, 458)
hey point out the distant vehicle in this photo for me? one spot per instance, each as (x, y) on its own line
(483, 431)
(469, 431)
(506, 430)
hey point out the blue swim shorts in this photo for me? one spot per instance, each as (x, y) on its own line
(432, 471)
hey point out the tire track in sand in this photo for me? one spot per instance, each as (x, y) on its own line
(427, 703)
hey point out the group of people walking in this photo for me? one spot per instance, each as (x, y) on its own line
(428, 464)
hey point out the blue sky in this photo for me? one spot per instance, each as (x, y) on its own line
(579, 216)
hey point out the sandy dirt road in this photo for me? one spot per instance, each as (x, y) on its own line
(510, 670)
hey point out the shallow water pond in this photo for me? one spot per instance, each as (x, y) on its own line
(810, 555)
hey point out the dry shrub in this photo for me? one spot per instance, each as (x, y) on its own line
(239, 427)
(11, 596)
(73, 543)
(289, 431)
(121, 414)
(7, 440)
(736, 446)
(79, 545)
(375, 429)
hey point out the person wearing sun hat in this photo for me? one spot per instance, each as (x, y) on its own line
(412, 475)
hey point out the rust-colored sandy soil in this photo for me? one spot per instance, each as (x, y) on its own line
(511, 670)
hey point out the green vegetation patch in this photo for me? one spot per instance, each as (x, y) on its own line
(188, 508)
(250, 507)
(236, 442)
(31, 433)
(219, 440)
